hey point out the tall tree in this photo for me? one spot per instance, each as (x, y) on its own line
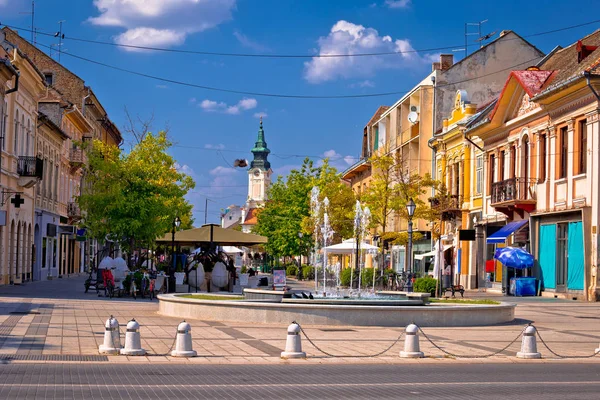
(390, 190)
(134, 197)
(287, 213)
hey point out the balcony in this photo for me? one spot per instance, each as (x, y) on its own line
(449, 206)
(76, 157)
(73, 210)
(514, 194)
(30, 170)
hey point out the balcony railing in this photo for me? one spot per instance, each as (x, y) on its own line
(30, 167)
(76, 156)
(513, 190)
(73, 210)
(449, 206)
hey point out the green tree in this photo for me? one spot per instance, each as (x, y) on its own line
(287, 213)
(392, 186)
(134, 197)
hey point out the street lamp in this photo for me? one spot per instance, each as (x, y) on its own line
(410, 208)
(176, 224)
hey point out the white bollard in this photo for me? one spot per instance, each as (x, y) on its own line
(183, 344)
(411, 343)
(133, 342)
(293, 344)
(529, 345)
(112, 338)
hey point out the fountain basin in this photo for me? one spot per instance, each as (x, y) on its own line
(308, 313)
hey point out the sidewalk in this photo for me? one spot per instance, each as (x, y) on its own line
(56, 321)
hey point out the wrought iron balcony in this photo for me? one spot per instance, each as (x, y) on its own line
(76, 157)
(31, 167)
(513, 191)
(449, 206)
(73, 210)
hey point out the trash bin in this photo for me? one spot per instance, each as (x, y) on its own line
(525, 286)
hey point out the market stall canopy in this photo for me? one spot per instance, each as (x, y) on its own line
(514, 257)
(215, 234)
(349, 247)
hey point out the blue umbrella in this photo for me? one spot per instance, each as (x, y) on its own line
(514, 257)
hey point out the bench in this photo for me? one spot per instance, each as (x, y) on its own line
(456, 288)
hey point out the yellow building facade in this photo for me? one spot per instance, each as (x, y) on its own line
(459, 165)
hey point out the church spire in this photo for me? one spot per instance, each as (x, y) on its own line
(260, 151)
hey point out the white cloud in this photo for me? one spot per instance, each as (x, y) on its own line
(261, 114)
(242, 105)
(150, 37)
(219, 171)
(348, 38)
(337, 160)
(162, 86)
(193, 100)
(397, 3)
(363, 84)
(186, 169)
(219, 146)
(161, 23)
(249, 43)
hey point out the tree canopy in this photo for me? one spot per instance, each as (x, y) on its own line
(286, 214)
(134, 197)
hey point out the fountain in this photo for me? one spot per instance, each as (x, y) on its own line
(339, 307)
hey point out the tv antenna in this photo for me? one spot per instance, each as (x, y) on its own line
(32, 13)
(60, 35)
(470, 32)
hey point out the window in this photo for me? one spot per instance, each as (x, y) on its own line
(502, 162)
(562, 249)
(16, 132)
(4, 123)
(376, 144)
(492, 172)
(49, 77)
(479, 174)
(582, 167)
(542, 153)
(27, 134)
(563, 152)
(23, 134)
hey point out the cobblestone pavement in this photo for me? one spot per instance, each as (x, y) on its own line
(55, 321)
(173, 381)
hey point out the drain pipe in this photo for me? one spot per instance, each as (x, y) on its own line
(430, 141)
(14, 89)
(83, 102)
(464, 132)
(587, 80)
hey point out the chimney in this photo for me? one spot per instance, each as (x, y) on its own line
(505, 32)
(436, 66)
(446, 61)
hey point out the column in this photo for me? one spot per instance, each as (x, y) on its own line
(593, 168)
(570, 160)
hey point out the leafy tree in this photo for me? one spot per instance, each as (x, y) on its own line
(391, 188)
(134, 197)
(287, 213)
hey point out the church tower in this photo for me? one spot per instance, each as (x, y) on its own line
(259, 174)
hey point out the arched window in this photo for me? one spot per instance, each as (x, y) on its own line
(23, 134)
(16, 132)
(28, 134)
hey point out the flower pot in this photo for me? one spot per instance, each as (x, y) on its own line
(179, 277)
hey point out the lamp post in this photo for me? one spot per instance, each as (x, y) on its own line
(176, 224)
(410, 208)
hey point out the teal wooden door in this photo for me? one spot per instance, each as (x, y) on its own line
(547, 256)
(576, 263)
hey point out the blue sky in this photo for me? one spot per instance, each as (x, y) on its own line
(211, 129)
